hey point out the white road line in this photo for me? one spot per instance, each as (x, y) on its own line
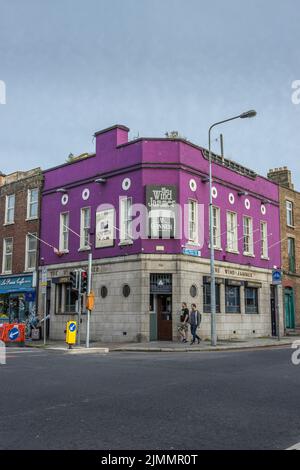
(295, 447)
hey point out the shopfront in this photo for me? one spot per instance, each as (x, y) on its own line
(18, 299)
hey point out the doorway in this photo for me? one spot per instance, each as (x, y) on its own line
(164, 317)
(289, 308)
(160, 307)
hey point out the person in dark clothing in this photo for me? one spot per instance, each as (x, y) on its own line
(183, 325)
(195, 320)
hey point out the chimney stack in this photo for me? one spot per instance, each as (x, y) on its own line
(282, 176)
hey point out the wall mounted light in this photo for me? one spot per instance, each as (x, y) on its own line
(205, 179)
(243, 193)
(101, 180)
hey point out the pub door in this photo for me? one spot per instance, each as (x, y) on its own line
(273, 310)
(164, 317)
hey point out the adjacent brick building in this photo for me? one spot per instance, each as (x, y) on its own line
(290, 245)
(19, 227)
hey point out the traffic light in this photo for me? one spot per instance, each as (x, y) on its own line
(74, 280)
(83, 281)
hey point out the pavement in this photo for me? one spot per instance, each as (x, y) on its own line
(246, 399)
(168, 346)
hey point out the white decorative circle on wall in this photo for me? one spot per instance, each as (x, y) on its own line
(247, 204)
(263, 209)
(231, 198)
(85, 194)
(193, 185)
(214, 192)
(64, 199)
(126, 183)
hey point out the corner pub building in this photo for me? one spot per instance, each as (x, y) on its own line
(140, 283)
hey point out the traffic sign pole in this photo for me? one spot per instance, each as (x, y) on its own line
(89, 288)
(79, 307)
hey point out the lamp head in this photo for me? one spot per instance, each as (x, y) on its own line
(248, 114)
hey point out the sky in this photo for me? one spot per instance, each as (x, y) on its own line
(73, 67)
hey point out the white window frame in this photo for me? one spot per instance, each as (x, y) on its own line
(64, 247)
(5, 255)
(30, 203)
(232, 232)
(249, 235)
(7, 208)
(28, 236)
(83, 229)
(264, 240)
(125, 220)
(217, 227)
(193, 223)
(289, 207)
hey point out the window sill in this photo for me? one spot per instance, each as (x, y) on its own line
(6, 273)
(28, 219)
(290, 226)
(249, 255)
(29, 270)
(8, 223)
(65, 252)
(193, 243)
(88, 248)
(125, 242)
(265, 258)
(234, 252)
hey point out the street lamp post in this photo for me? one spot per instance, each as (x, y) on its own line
(247, 114)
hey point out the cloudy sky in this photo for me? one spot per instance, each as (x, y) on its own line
(72, 67)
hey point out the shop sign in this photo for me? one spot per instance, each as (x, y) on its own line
(161, 205)
(15, 284)
(191, 252)
(105, 228)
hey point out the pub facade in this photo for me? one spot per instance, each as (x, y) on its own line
(141, 208)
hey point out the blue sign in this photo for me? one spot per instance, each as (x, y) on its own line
(14, 333)
(72, 327)
(191, 252)
(276, 276)
(22, 283)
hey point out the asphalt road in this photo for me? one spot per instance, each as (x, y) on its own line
(218, 400)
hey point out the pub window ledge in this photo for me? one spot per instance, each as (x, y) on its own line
(234, 252)
(125, 242)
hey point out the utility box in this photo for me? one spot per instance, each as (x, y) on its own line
(71, 332)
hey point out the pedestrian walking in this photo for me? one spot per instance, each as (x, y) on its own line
(195, 320)
(184, 320)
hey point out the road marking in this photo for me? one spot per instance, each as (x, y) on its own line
(295, 447)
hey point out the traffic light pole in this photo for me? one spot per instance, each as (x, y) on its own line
(89, 288)
(79, 307)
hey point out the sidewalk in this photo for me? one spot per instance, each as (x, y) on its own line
(168, 346)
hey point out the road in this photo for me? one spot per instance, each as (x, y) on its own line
(216, 400)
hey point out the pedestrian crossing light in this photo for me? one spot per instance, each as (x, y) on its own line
(83, 281)
(74, 280)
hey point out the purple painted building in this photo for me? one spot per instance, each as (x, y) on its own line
(141, 281)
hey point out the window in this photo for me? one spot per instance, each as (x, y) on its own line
(248, 236)
(251, 300)
(31, 250)
(64, 232)
(232, 233)
(216, 227)
(85, 225)
(289, 213)
(232, 299)
(7, 255)
(10, 209)
(125, 220)
(291, 255)
(193, 221)
(66, 299)
(264, 239)
(207, 297)
(32, 203)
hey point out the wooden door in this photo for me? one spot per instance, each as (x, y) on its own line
(164, 317)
